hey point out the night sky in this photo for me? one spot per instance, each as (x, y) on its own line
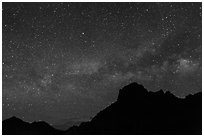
(64, 61)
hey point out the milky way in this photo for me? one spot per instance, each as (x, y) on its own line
(68, 60)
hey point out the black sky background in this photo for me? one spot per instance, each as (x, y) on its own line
(64, 61)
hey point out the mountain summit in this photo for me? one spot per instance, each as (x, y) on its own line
(136, 112)
(132, 92)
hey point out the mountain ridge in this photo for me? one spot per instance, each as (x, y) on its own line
(139, 111)
(16, 126)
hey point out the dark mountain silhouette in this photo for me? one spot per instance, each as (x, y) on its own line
(136, 111)
(15, 126)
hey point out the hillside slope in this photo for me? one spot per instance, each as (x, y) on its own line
(138, 111)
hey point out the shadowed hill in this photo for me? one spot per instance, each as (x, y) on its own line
(15, 126)
(136, 111)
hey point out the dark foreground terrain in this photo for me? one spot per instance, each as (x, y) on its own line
(15, 126)
(136, 111)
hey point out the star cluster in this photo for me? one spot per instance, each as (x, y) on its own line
(68, 60)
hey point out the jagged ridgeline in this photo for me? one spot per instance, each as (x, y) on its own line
(136, 111)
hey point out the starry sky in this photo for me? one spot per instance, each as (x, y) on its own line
(64, 61)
